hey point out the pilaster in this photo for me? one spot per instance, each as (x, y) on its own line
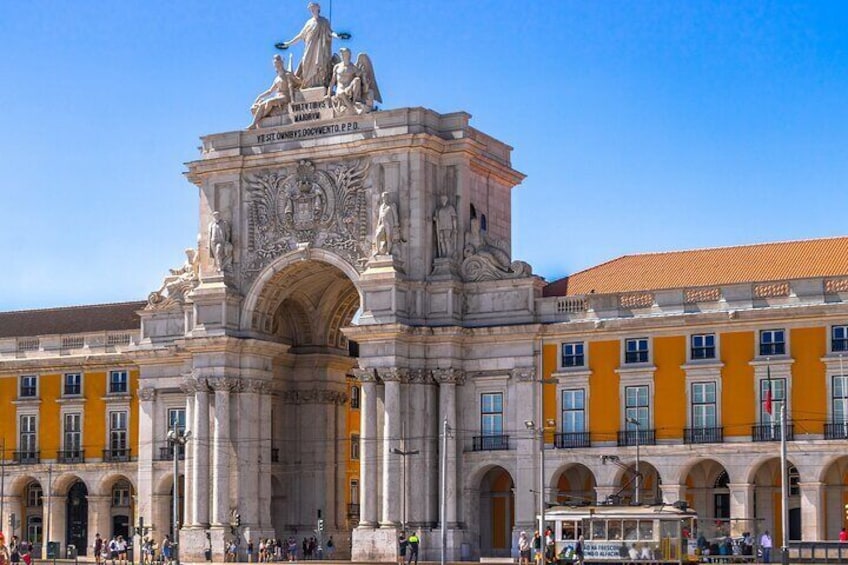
(812, 511)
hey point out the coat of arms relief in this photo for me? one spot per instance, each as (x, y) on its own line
(303, 205)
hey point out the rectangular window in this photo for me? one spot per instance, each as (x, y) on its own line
(121, 495)
(491, 414)
(704, 405)
(73, 384)
(118, 433)
(354, 447)
(572, 354)
(703, 346)
(73, 434)
(29, 386)
(636, 407)
(839, 338)
(636, 350)
(29, 436)
(118, 382)
(354, 397)
(778, 396)
(177, 417)
(573, 411)
(772, 342)
(35, 496)
(354, 491)
(840, 399)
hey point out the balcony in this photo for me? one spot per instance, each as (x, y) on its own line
(629, 437)
(166, 452)
(572, 439)
(26, 457)
(353, 511)
(771, 432)
(490, 443)
(70, 456)
(703, 435)
(836, 430)
(116, 455)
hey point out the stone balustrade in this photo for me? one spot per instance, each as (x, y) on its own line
(72, 344)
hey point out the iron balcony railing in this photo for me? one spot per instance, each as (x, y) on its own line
(26, 457)
(70, 456)
(166, 452)
(629, 437)
(771, 432)
(572, 439)
(116, 455)
(490, 443)
(703, 435)
(836, 430)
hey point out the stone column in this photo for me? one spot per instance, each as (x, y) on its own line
(186, 514)
(448, 379)
(146, 454)
(99, 517)
(199, 443)
(422, 468)
(672, 493)
(220, 515)
(390, 516)
(812, 511)
(368, 466)
(56, 507)
(741, 506)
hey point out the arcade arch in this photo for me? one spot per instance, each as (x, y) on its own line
(574, 485)
(496, 512)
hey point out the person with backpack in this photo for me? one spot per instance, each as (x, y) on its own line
(402, 545)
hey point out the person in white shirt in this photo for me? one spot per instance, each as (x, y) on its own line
(765, 543)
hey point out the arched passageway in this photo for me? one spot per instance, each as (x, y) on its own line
(767, 500)
(649, 487)
(497, 512)
(574, 485)
(835, 497)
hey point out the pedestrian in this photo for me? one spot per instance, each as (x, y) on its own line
(121, 543)
(331, 547)
(292, 549)
(402, 545)
(167, 549)
(843, 535)
(537, 547)
(550, 550)
(523, 549)
(765, 543)
(578, 549)
(4, 551)
(98, 548)
(413, 548)
(250, 549)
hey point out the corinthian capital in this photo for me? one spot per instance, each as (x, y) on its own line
(393, 374)
(449, 376)
(147, 393)
(365, 375)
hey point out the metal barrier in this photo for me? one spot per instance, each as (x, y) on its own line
(816, 552)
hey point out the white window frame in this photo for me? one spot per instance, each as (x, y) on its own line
(689, 346)
(37, 387)
(775, 410)
(28, 494)
(109, 390)
(715, 404)
(110, 429)
(354, 493)
(480, 414)
(838, 401)
(169, 410)
(65, 383)
(758, 337)
(562, 410)
(779, 369)
(830, 350)
(355, 448)
(35, 433)
(650, 352)
(65, 415)
(585, 354)
(650, 408)
(121, 496)
(355, 397)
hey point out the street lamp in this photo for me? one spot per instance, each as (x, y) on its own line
(402, 453)
(531, 427)
(177, 438)
(636, 423)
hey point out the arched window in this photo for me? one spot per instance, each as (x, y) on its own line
(722, 480)
(121, 494)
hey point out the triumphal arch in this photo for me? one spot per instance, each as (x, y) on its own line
(337, 238)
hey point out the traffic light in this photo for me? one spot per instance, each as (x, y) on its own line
(846, 511)
(320, 524)
(238, 520)
(14, 519)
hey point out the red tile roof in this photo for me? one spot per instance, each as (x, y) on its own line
(75, 319)
(708, 267)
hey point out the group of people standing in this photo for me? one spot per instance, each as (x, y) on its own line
(272, 550)
(15, 552)
(115, 550)
(408, 548)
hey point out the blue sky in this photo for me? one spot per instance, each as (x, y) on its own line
(642, 126)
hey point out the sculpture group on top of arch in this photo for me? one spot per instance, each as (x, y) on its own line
(324, 85)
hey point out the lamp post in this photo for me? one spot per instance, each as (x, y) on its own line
(531, 426)
(177, 438)
(635, 422)
(784, 489)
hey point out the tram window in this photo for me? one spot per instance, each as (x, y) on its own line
(630, 529)
(568, 530)
(614, 529)
(599, 529)
(646, 529)
(669, 528)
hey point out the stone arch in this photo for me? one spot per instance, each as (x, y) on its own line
(270, 288)
(104, 486)
(834, 479)
(765, 477)
(705, 482)
(18, 484)
(495, 514)
(651, 484)
(573, 484)
(65, 481)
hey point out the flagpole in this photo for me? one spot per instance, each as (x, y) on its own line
(784, 489)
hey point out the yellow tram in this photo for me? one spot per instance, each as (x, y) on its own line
(623, 534)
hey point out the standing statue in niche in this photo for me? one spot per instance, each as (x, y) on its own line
(388, 227)
(317, 61)
(445, 220)
(220, 245)
(279, 95)
(353, 88)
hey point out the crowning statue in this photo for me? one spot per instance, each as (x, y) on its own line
(220, 246)
(317, 61)
(279, 95)
(353, 87)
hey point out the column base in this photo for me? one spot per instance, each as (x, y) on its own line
(381, 544)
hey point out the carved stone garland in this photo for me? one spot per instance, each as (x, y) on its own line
(304, 205)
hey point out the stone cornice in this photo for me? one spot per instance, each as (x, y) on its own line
(365, 375)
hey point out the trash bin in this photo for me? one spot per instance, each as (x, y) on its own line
(207, 554)
(71, 552)
(53, 550)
